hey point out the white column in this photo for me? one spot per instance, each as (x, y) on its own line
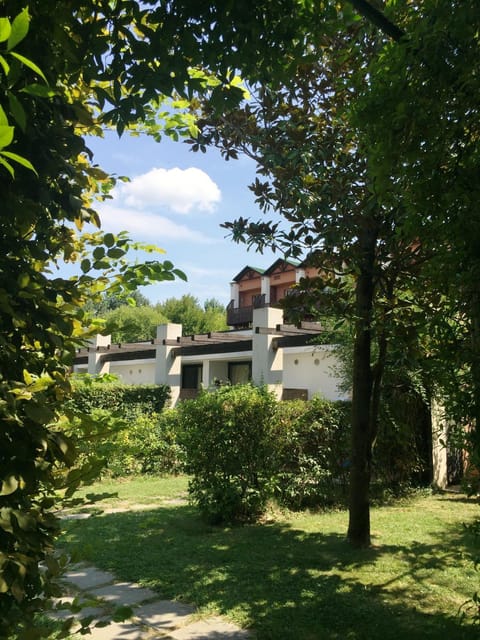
(265, 288)
(95, 366)
(168, 368)
(299, 273)
(206, 382)
(267, 363)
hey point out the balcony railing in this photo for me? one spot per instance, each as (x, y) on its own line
(237, 316)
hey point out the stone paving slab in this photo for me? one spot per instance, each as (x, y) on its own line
(210, 629)
(87, 610)
(127, 593)
(118, 631)
(152, 620)
(164, 614)
(85, 578)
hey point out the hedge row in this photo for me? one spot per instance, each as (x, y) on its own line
(118, 398)
(239, 445)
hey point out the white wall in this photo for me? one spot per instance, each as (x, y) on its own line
(312, 369)
(134, 371)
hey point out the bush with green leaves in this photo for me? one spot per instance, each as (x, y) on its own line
(312, 451)
(147, 444)
(128, 426)
(228, 439)
(102, 392)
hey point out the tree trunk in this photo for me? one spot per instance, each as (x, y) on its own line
(361, 446)
(475, 371)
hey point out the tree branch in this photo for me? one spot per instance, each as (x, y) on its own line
(376, 17)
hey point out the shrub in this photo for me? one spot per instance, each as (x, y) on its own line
(312, 449)
(122, 399)
(228, 438)
(127, 426)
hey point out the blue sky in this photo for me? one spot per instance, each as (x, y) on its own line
(177, 200)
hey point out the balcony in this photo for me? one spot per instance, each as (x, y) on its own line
(243, 316)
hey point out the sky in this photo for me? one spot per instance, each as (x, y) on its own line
(177, 199)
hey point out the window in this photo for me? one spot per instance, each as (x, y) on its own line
(239, 372)
(191, 376)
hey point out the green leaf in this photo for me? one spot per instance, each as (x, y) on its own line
(23, 279)
(4, 64)
(21, 160)
(28, 63)
(7, 166)
(6, 135)
(9, 485)
(3, 117)
(38, 413)
(17, 110)
(38, 90)
(109, 239)
(115, 253)
(85, 265)
(19, 29)
(5, 29)
(98, 253)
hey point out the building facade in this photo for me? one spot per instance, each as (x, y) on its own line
(259, 347)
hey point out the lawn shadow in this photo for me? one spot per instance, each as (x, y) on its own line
(290, 584)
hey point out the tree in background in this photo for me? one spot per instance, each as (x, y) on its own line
(133, 324)
(194, 318)
(107, 303)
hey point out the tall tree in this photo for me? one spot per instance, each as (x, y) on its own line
(313, 174)
(421, 123)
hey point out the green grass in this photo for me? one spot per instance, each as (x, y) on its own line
(294, 577)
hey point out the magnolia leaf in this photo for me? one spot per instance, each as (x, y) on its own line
(38, 90)
(19, 29)
(9, 485)
(31, 65)
(18, 111)
(40, 414)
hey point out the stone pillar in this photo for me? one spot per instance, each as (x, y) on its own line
(439, 450)
(168, 367)
(265, 288)
(267, 363)
(95, 364)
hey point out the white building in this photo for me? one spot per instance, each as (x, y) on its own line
(283, 357)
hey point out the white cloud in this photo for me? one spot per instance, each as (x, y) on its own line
(147, 226)
(181, 190)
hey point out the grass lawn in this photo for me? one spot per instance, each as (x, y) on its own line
(293, 577)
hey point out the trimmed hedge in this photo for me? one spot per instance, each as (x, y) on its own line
(118, 398)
